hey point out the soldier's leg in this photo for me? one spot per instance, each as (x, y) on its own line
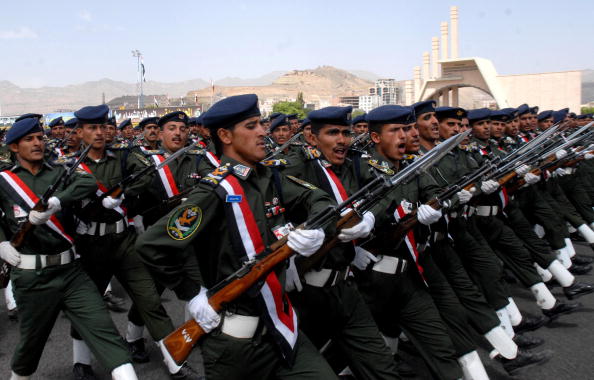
(575, 191)
(309, 363)
(537, 205)
(39, 298)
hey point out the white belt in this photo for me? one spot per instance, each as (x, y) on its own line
(321, 278)
(30, 261)
(101, 229)
(389, 265)
(486, 210)
(240, 326)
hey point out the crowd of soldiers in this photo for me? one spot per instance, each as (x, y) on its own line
(404, 223)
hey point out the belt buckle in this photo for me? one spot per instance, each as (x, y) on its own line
(51, 260)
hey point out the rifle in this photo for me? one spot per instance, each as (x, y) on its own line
(180, 342)
(19, 236)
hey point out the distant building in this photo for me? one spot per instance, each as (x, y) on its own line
(349, 101)
(368, 102)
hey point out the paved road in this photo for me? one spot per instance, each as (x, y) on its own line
(571, 337)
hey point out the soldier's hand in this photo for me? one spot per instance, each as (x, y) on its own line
(531, 179)
(9, 254)
(464, 196)
(292, 280)
(560, 154)
(40, 217)
(363, 258)
(202, 312)
(489, 186)
(559, 172)
(522, 169)
(111, 203)
(360, 230)
(306, 242)
(428, 215)
(588, 156)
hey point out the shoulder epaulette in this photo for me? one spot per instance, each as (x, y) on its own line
(195, 151)
(274, 163)
(301, 182)
(410, 157)
(120, 146)
(381, 167)
(142, 158)
(64, 160)
(151, 152)
(213, 178)
(311, 153)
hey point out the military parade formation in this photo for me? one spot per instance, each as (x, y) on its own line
(301, 248)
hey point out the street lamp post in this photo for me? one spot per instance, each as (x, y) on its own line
(139, 69)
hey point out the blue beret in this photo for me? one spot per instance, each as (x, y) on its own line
(111, 121)
(501, 115)
(572, 115)
(178, 116)
(71, 123)
(305, 122)
(391, 114)
(560, 115)
(513, 112)
(192, 121)
(424, 107)
(523, 109)
(479, 114)
(331, 115)
(22, 128)
(292, 116)
(442, 113)
(148, 120)
(279, 122)
(92, 114)
(55, 122)
(28, 116)
(232, 110)
(534, 110)
(545, 115)
(124, 124)
(274, 115)
(360, 119)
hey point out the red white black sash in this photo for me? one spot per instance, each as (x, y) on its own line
(280, 316)
(333, 183)
(410, 241)
(214, 160)
(165, 176)
(503, 197)
(27, 199)
(102, 189)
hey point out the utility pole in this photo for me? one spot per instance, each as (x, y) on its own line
(140, 79)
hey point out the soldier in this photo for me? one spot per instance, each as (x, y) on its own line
(108, 244)
(545, 120)
(110, 130)
(46, 276)
(360, 125)
(280, 130)
(150, 133)
(293, 120)
(235, 212)
(125, 128)
(57, 128)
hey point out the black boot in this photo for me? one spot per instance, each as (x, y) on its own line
(582, 260)
(561, 308)
(579, 270)
(527, 342)
(577, 289)
(83, 372)
(525, 359)
(530, 323)
(138, 351)
(186, 373)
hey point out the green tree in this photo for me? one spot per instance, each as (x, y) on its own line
(290, 107)
(356, 112)
(586, 110)
(300, 99)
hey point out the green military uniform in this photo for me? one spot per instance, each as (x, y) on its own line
(203, 223)
(43, 292)
(107, 247)
(336, 310)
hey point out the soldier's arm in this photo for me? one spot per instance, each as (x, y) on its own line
(82, 185)
(136, 162)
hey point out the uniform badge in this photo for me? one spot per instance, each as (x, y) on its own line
(383, 167)
(241, 170)
(232, 198)
(19, 212)
(142, 159)
(302, 182)
(184, 222)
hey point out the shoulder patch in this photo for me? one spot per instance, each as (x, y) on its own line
(382, 167)
(301, 182)
(311, 153)
(274, 163)
(63, 160)
(184, 221)
(195, 152)
(119, 146)
(214, 178)
(142, 159)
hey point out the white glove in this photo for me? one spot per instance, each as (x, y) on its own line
(9, 254)
(111, 203)
(292, 280)
(521, 170)
(560, 154)
(559, 172)
(202, 312)
(489, 186)
(363, 258)
(588, 156)
(531, 179)
(360, 230)
(428, 215)
(464, 196)
(40, 217)
(305, 242)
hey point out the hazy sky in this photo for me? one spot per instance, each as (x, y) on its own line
(65, 42)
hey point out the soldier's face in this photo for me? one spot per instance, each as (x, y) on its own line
(58, 132)
(428, 126)
(333, 141)
(449, 127)
(194, 129)
(174, 135)
(127, 132)
(73, 140)
(245, 142)
(525, 122)
(92, 134)
(307, 134)
(545, 124)
(294, 125)
(281, 134)
(533, 122)
(391, 141)
(464, 126)
(151, 133)
(204, 132)
(360, 128)
(29, 148)
(413, 143)
(497, 129)
(482, 129)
